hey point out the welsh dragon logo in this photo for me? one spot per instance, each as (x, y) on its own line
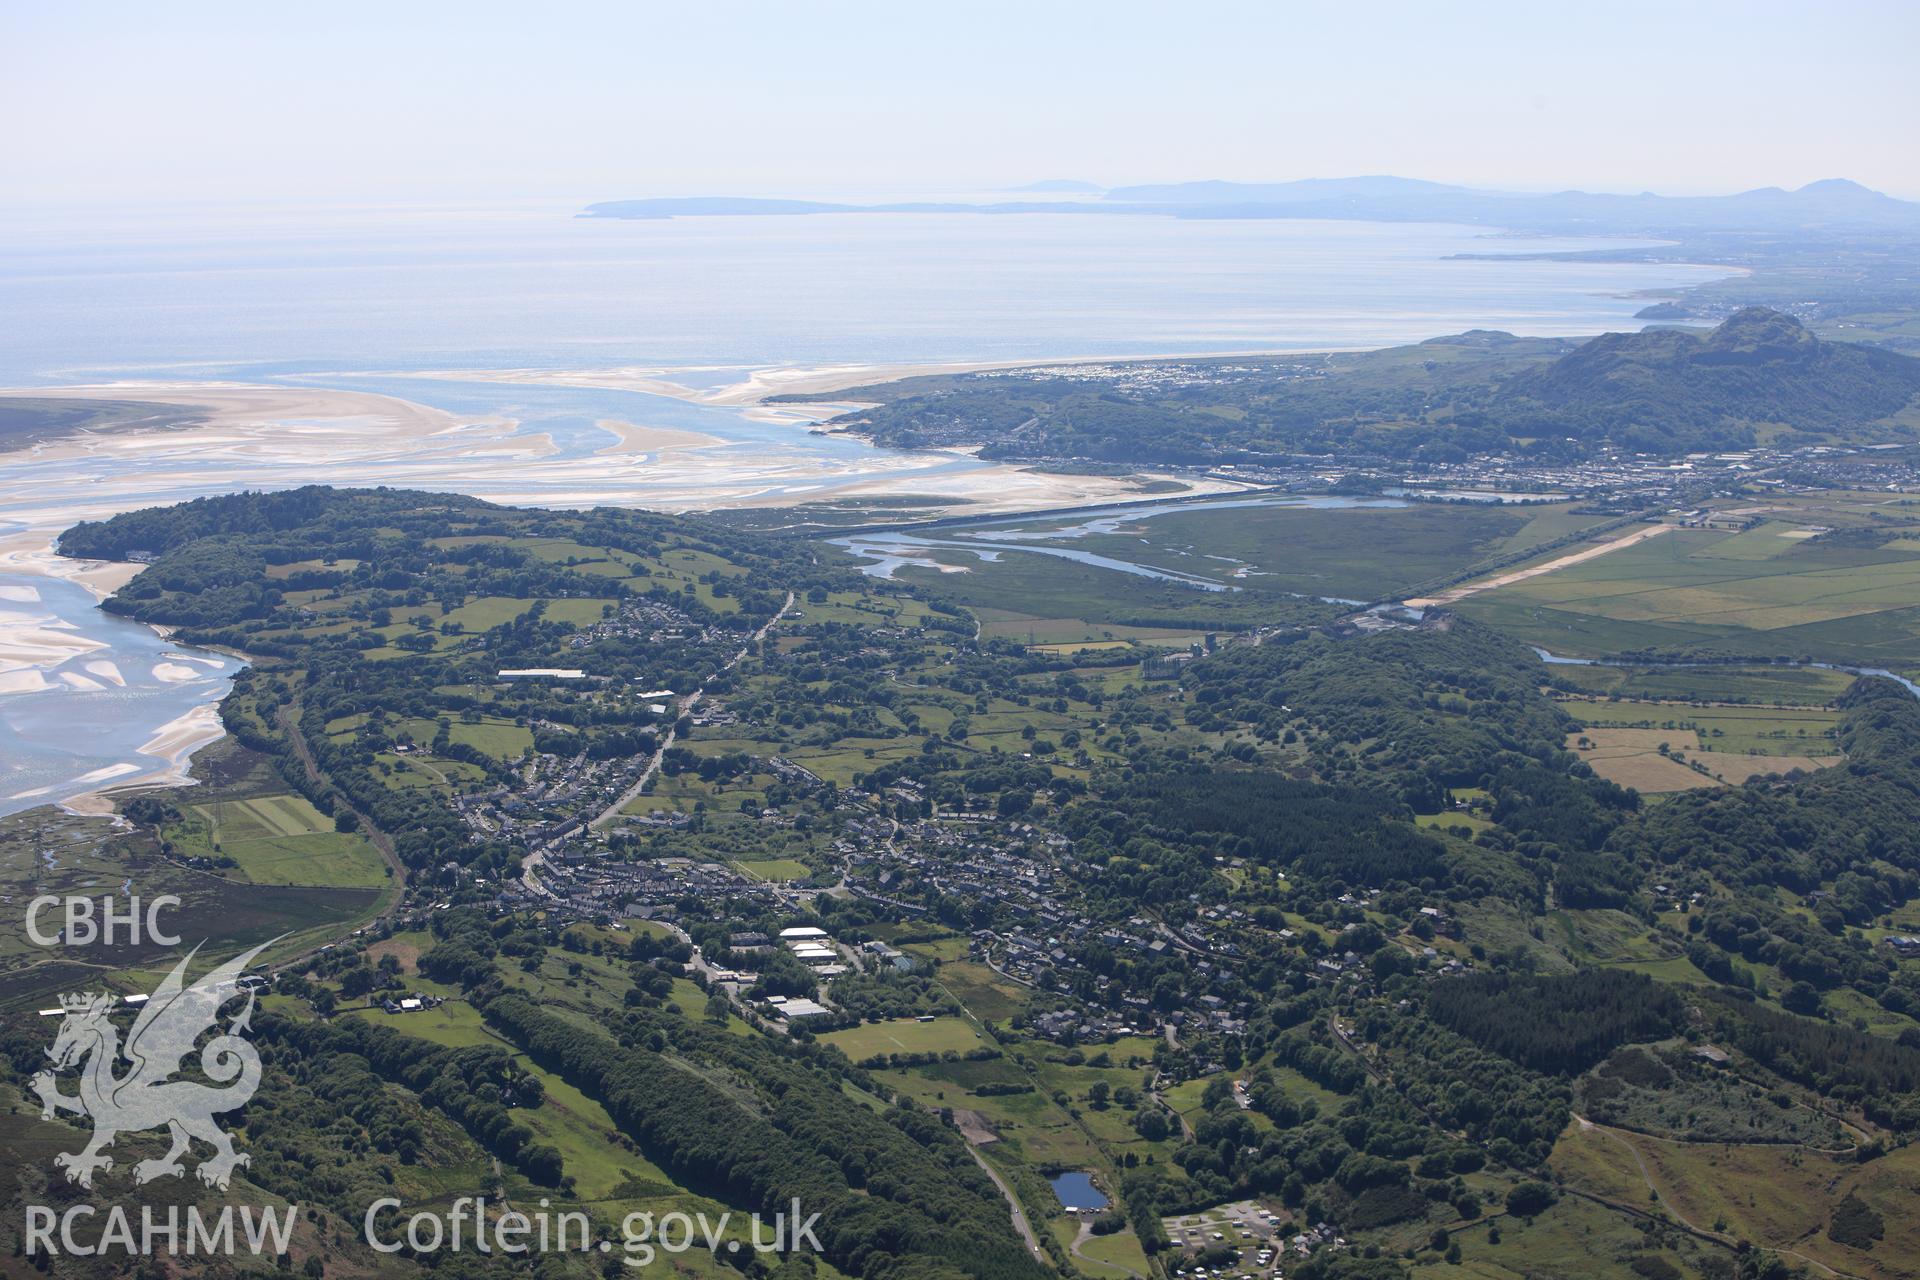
(144, 1096)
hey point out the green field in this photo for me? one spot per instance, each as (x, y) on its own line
(454, 1025)
(1715, 589)
(987, 996)
(1762, 730)
(282, 839)
(775, 868)
(265, 816)
(501, 739)
(1783, 686)
(905, 1035)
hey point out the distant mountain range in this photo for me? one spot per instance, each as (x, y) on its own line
(1833, 204)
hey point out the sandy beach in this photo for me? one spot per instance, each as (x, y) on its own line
(227, 405)
(761, 384)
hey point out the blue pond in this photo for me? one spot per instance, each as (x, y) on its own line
(1076, 1190)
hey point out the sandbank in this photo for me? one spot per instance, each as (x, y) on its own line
(174, 742)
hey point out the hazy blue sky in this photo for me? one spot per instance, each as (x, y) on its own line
(599, 100)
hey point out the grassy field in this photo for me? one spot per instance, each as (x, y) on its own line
(987, 996)
(282, 839)
(782, 869)
(1764, 730)
(1623, 739)
(1121, 1252)
(454, 1025)
(502, 739)
(1757, 591)
(1032, 1128)
(1778, 686)
(609, 1173)
(1633, 758)
(1779, 1196)
(1574, 1238)
(905, 1035)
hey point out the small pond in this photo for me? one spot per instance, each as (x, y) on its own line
(1076, 1190)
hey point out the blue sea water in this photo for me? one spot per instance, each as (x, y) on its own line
(70, 738)
(266, 291)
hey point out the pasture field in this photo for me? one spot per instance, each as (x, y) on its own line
(1736, 730)
(1119, 1254)
(1775, 686)
(1776, 1195)
(1573, 1238)
(1474, 823)
(262, 817)
(453, 1025)
(325, 860)
(581, 613)
(1632, 758)
(1077, 646)
(1031, 1128)
(905, 1035)
(484, 613)
(282, 839)
(861, 609)
(840, 762)
(497, 737)
(783, 869)
(1070, 635)
(1737, 769)
(986, 995)
(605, 1171)
(1753, 592)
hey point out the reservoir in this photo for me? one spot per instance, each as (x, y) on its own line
(1076, 1190)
